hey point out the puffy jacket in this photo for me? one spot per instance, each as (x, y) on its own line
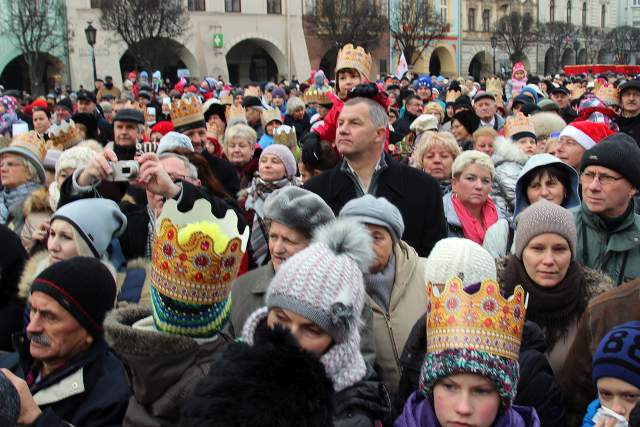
(617, 252)
(537, 386)
(508, 160)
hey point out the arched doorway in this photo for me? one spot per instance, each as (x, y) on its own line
(479, 66)
(255, 60)
(550, 66)
(604, 57)
(441, 62)
(582, 56)
(328, 62)
(15, 74)
(568, 57)
(166, 55)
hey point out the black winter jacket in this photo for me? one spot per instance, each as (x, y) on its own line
(365, 404)
(537, 387)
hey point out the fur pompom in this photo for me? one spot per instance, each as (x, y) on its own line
(347, 236)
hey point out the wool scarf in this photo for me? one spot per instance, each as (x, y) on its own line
(556, 308)
(471, 227)
(8, 198)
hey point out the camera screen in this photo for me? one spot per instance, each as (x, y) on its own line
(126, 170)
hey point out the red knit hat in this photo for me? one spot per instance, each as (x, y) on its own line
(164, 127)
(587, 134)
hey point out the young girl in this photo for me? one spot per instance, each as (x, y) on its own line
(468, 378)
(517, 81)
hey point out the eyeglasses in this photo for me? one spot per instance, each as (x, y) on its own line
(10, 164)
(587, 178)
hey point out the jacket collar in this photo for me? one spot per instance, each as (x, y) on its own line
(262, 280)
(623, 238)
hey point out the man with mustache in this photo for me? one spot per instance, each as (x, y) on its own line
(63, 371)
(629, 120)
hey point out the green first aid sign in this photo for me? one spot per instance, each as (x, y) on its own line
(218, 40)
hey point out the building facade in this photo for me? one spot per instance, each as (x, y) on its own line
(629, 13)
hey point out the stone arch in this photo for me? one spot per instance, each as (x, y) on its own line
(15, 73)
(582, 56)
(246, 54)
(179, 57)
(550, 66)
(441, 62)
(568, 57)
(481, 65)
(604, 56)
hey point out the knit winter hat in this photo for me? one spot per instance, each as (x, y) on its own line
(164, 127)
(618, 152)
(463, 258)
(297, 208)
(375, 210)
(172, 140)
(544, 217)
(468, 119)
(10, 404)
(81, 285)
(424, 81)
(612, 357)
(74, 158)
(279, 92)
(285, 156)
(587, 134)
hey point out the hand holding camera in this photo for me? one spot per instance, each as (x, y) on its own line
(154, 178)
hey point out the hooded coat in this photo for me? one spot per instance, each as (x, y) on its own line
(497, 237)
(508, 160)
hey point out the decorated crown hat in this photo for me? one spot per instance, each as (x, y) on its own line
(186, 113)
(135, 105)
(494, 85)
(356, 58)
(226, 99)
(32, 147)
(519, 126)
(270, 114)
(608, 94)
(63, 136)
(318, 95)
(286, 135)
(235, 114)
(195, 259)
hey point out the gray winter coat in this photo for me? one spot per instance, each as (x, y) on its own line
(508, 161)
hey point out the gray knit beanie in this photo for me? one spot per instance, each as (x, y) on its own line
(286, 157)
(378, 211)
(297, 208)
(544, 217)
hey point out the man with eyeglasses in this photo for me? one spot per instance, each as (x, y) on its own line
(608, 228)
(578, 137)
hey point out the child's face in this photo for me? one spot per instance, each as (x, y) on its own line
(618, 395)
(519, 75)
(466, 399)
(348, 79)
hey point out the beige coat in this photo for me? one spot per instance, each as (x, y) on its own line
(408, 303)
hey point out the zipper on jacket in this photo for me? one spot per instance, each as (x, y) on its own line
(387, 319)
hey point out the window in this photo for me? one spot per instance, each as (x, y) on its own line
(196, 5)
(383, 66)
(232, 6)
(274, 7)
(95, 4)
(603, 16)
(471, 20)
(443, 9)
(584, 13)
(486, 20)
(552, 10)
(569, 12)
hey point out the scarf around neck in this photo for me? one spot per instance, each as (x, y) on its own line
(471, 227)
(8, 198)
(260, 189)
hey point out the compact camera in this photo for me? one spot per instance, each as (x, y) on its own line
(124, 170)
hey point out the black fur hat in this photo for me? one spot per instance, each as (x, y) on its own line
(273, 383)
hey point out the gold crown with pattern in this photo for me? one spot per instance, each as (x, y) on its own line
(494, 86)
(483, 321)
(452, 95)
(195, 255)
(63, 136)
(608, 94)
(518, 124)
(317, 95)
(356, 58)
(286, 135)
(185, 111)
(226, 99)
(31, 141)
(270, 114)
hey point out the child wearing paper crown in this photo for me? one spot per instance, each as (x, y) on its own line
(616, 375)
(466, 378)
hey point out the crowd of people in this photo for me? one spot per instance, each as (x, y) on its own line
(423, 251)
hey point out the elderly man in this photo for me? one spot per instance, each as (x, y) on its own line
(629, 120)
(63, 370)
(365, 169)
(128, 130)
(484, 104)
(608, 228)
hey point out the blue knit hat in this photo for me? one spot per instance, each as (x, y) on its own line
(617, 355)
(424, 81)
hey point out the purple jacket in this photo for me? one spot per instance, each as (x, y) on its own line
(418, 412)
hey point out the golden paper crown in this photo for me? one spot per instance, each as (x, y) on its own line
(186, 111)
(31, 141)
(252, 91)
(452, 95)
(233, 112)
(270, 114)
(576, 90)
(483, 321)
(608, 94)
(226, 99)
(286, 135)
(517, 124)
(494, 85)
(63, 136)
(356, 58)
(317, 95)
(142, 108)
(196, 268)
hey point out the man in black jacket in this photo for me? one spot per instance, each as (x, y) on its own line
(629, 120)
(413, 108)
(365, 169)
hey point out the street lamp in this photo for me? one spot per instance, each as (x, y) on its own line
(90, 32)
(576, 47)
(494, 44)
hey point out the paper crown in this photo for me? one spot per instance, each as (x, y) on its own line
(226, 99)
(286, 135)
(270, 114)
(317, 95)
(186, 111)
(356, 58)
(235, 112)
(576, 90)
(148, 118)
(31, 141)
(518, 124)
(608, 94)
(252, 91)
(494, 85)
(483, 321)
(452, 95)
(63, 136)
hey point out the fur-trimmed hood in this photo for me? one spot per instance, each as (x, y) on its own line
(507, 151)
(37, 202)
